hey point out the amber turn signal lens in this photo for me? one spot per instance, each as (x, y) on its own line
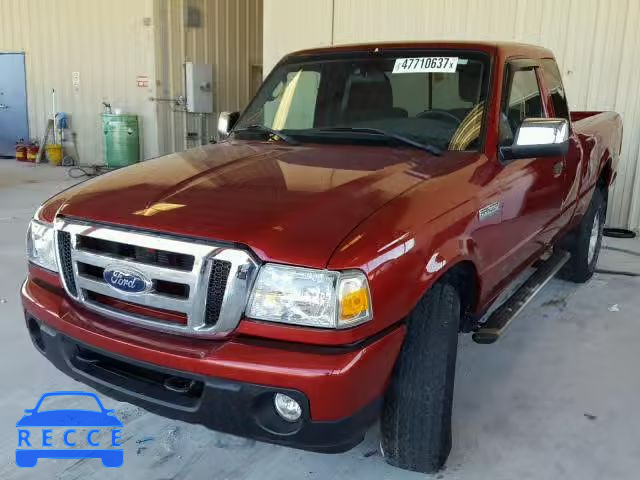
(354, 303)
(353, 296)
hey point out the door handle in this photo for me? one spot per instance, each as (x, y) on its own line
(4, 107)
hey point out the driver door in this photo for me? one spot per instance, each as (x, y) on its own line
(527, 192)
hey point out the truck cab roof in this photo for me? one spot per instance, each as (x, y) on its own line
(501, 49)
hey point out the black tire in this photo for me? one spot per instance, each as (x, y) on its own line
(581, 267)
(416, 417)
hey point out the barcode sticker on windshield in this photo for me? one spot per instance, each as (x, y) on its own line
(425, 65)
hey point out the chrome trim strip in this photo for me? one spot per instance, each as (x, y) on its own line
(242, 274)
(148, 300)
(239, 284)
(152, 271)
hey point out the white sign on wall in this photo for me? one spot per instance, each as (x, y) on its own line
(75, 81)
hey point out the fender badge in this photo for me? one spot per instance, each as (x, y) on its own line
(490, 210)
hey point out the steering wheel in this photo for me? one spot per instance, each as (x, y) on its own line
(440, 113)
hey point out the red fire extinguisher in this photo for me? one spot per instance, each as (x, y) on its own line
(21, 151)
(32, 152)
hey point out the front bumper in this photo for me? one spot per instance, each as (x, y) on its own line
(227, 386)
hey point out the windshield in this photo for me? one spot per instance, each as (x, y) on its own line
(432, 97)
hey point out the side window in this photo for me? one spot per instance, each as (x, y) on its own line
(553, 80)
(523, 101)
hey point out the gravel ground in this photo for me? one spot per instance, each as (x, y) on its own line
(555, 398)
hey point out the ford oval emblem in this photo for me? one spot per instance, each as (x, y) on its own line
(126, 280)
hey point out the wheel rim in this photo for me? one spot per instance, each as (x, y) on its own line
(595, 236)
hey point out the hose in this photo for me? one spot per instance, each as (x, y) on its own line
(622, 250)
(623, 273)
(618, 233)
(88, 171)
(618, 272)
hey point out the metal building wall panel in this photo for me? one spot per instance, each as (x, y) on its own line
(295, 24)
(224, 33)
(106, 42)
(595, 42)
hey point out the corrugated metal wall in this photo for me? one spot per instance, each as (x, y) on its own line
(291, 25)
(596, 43)
(224, 33)
(108, 43)
(112, 42)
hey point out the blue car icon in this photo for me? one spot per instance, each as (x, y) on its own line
(40, 417)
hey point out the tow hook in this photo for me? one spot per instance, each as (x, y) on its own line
(178, 384)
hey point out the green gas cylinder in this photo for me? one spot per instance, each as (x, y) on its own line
(121, 139)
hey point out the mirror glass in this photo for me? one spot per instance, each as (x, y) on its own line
(542, 131)
(223, 124)
(226, 121)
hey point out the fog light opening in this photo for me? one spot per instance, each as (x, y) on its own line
(287, 407)
(36, 334)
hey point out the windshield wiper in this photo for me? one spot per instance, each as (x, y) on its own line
(262, 128)
(432, 149)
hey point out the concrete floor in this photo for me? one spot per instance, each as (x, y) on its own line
(556, 398)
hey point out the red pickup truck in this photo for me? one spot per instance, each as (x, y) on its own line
(311, 272)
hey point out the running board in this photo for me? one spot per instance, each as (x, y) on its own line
(495, 326)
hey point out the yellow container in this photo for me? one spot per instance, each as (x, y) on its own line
(54, 154)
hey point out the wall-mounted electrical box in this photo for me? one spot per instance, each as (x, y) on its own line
(198, 79)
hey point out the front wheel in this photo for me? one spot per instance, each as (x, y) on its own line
(416, 417)
(586, 247)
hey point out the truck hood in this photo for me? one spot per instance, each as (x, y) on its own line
(288, 204)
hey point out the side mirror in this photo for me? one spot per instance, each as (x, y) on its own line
(539, 137)
(226, 122)
(28, 410)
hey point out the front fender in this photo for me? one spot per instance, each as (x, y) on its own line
(441, 260)
(402, 266)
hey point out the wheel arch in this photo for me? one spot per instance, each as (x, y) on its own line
(606, 177)
(463, 275)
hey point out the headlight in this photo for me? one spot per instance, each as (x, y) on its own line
(40, 245)
(305, 296)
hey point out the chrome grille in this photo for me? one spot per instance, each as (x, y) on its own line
(215, 290)
(205, 283)
(64, 252)
(148, 256)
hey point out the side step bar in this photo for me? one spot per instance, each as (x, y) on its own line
(495, 326)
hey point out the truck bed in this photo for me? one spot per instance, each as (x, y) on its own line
(576, 116)
(600, 134)
(607, 123)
